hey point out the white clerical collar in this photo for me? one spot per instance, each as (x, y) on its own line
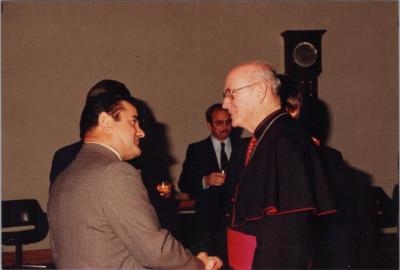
(108, 147)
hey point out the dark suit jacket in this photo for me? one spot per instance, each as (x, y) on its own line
(63, 157)
(100, 217)
(210, 203)
(200, 161)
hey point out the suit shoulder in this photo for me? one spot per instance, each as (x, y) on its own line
(118, 167)
(200, 143)
(286, 120)
(121, 176)
(288, 126)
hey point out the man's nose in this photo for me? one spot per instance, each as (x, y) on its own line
(227, 123)
(225, 103)
(140, 133)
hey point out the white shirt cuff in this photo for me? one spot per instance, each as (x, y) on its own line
(203, 183)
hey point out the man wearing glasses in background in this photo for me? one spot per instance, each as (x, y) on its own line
(203, 178)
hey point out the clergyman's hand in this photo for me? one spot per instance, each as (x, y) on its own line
(213, 263)
(210, 262)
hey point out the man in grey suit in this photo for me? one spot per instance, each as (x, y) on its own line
(99, 212)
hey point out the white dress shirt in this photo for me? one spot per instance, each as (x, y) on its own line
(217, 149)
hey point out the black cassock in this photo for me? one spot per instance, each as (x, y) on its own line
(279, 194)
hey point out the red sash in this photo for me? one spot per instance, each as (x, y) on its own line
(241, 249)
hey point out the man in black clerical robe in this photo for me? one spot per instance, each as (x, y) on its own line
(282, 188)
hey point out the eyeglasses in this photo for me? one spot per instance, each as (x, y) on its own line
(222, 122)
(229, 91)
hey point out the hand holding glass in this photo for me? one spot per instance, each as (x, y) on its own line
(164, 189)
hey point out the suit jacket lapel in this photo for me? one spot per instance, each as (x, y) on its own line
(211, 155)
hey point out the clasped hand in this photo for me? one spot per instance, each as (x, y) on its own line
(210, 262)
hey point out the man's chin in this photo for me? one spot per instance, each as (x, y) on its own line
(138, 153)
(135, 153)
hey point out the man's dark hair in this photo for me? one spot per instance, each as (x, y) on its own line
(108, 87)
(211, 110)
(106, 102)
(289, 93)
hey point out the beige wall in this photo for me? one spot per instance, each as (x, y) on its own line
(174, 55)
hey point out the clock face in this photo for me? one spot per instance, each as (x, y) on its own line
(305, 54)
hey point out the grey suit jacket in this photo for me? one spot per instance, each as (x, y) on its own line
(100, 218)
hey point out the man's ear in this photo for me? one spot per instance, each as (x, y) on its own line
(105, 121)
(263, 88)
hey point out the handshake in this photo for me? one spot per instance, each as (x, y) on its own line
(210, 262)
